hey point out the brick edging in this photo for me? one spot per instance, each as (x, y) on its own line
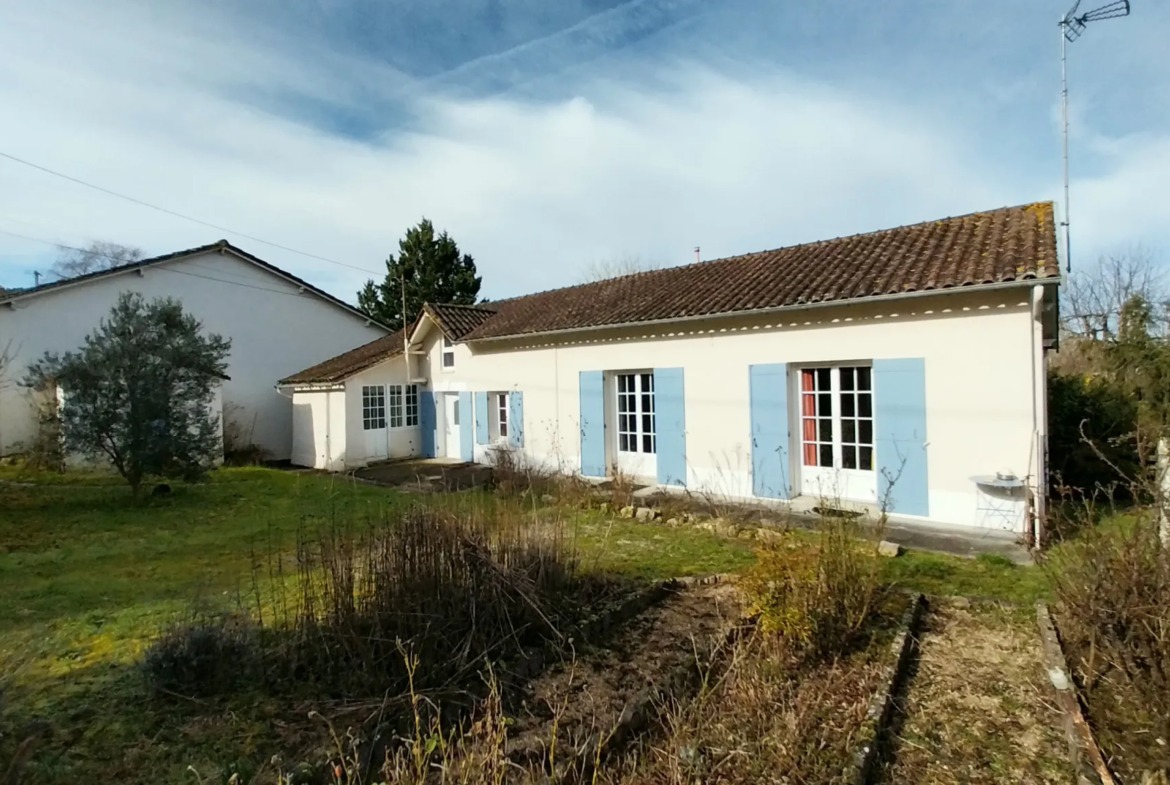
(1086, 757)
(881, 705)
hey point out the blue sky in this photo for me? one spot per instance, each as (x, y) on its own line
(546, 136)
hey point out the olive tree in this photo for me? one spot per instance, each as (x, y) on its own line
(139, 391)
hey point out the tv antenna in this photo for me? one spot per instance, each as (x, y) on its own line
(1072, 25)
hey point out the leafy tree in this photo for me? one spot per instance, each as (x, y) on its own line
(98, 255)
(432, 270)
(138, 392)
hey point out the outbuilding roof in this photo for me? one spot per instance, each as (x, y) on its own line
(354, 361)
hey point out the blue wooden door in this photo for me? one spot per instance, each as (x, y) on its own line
(670, 423)
(900, 425)
(592, 420)
(768, 390)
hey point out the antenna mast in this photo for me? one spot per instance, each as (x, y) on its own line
(1071, 27)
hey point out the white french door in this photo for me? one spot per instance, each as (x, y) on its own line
(637, 441)
(836, 433)
(377, 441)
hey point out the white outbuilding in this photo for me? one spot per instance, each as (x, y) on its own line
(276, 322)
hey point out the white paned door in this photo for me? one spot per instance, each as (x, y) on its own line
(636, 426)
(836, 433)
(451, 424)
(377, 436)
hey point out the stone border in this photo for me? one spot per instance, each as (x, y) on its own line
(1086, 757)
(881, 706)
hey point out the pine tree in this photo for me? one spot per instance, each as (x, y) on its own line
(431, 268)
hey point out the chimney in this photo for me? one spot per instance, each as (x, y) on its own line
(37, 277)
(697, 253)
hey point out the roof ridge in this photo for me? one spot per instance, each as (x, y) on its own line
(473, 306)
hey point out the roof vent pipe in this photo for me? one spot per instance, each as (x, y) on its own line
(696, 254)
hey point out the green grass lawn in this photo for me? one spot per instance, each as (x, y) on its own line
(88, 575)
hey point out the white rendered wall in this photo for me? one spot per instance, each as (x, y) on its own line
(276, 330)
(404, 442)
(980, 385)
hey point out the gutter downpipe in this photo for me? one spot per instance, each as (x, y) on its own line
(1039, 417)
(879, 299)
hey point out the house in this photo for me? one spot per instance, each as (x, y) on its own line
(901, 369)
(276, 321)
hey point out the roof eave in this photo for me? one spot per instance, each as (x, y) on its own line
(882, 298)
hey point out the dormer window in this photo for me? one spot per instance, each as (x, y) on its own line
(448, 353)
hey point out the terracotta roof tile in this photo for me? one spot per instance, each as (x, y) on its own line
(457, 321)
(1008, 244)
(354, 361)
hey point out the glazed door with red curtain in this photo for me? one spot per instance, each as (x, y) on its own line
(836, 433)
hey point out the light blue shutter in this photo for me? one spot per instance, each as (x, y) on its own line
(768, 389)
(670, 426)
(516, 418)
(899, 421)
(466, 447)
(592, 424)
(481, 418)
(426, 418)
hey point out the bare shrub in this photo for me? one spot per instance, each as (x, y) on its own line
(457, 588)
(515, 476)
(239, 445)
(817, 594)
(45, 451)
(1113, 592)
(204, 655)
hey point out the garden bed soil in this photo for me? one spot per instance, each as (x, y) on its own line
(582, 699)
(978, 707)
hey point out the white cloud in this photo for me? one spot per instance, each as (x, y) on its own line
(535, 191)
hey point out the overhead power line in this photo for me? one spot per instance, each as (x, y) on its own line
(181, 215)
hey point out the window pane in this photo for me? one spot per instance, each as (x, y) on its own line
(848, 431)
(846, 378)
(823, 379)
(826, 455)
(808, 405)
(826, 430)
(866, 427)
(448, 360)
(621, 403)
(864, 381)
(648, 382)
(646, 405)
(648, 443)
(647, 423)
(849, 457)
(825, 404)
(866, 459)
(621, 384)
(623, 424)
(810, 430)
(848, 404)
(810, 455)
(865, 404)
(624, 443)
(806, 380)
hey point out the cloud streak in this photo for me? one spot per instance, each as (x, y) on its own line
(674, 154)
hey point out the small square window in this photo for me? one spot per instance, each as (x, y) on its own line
(448, 353)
